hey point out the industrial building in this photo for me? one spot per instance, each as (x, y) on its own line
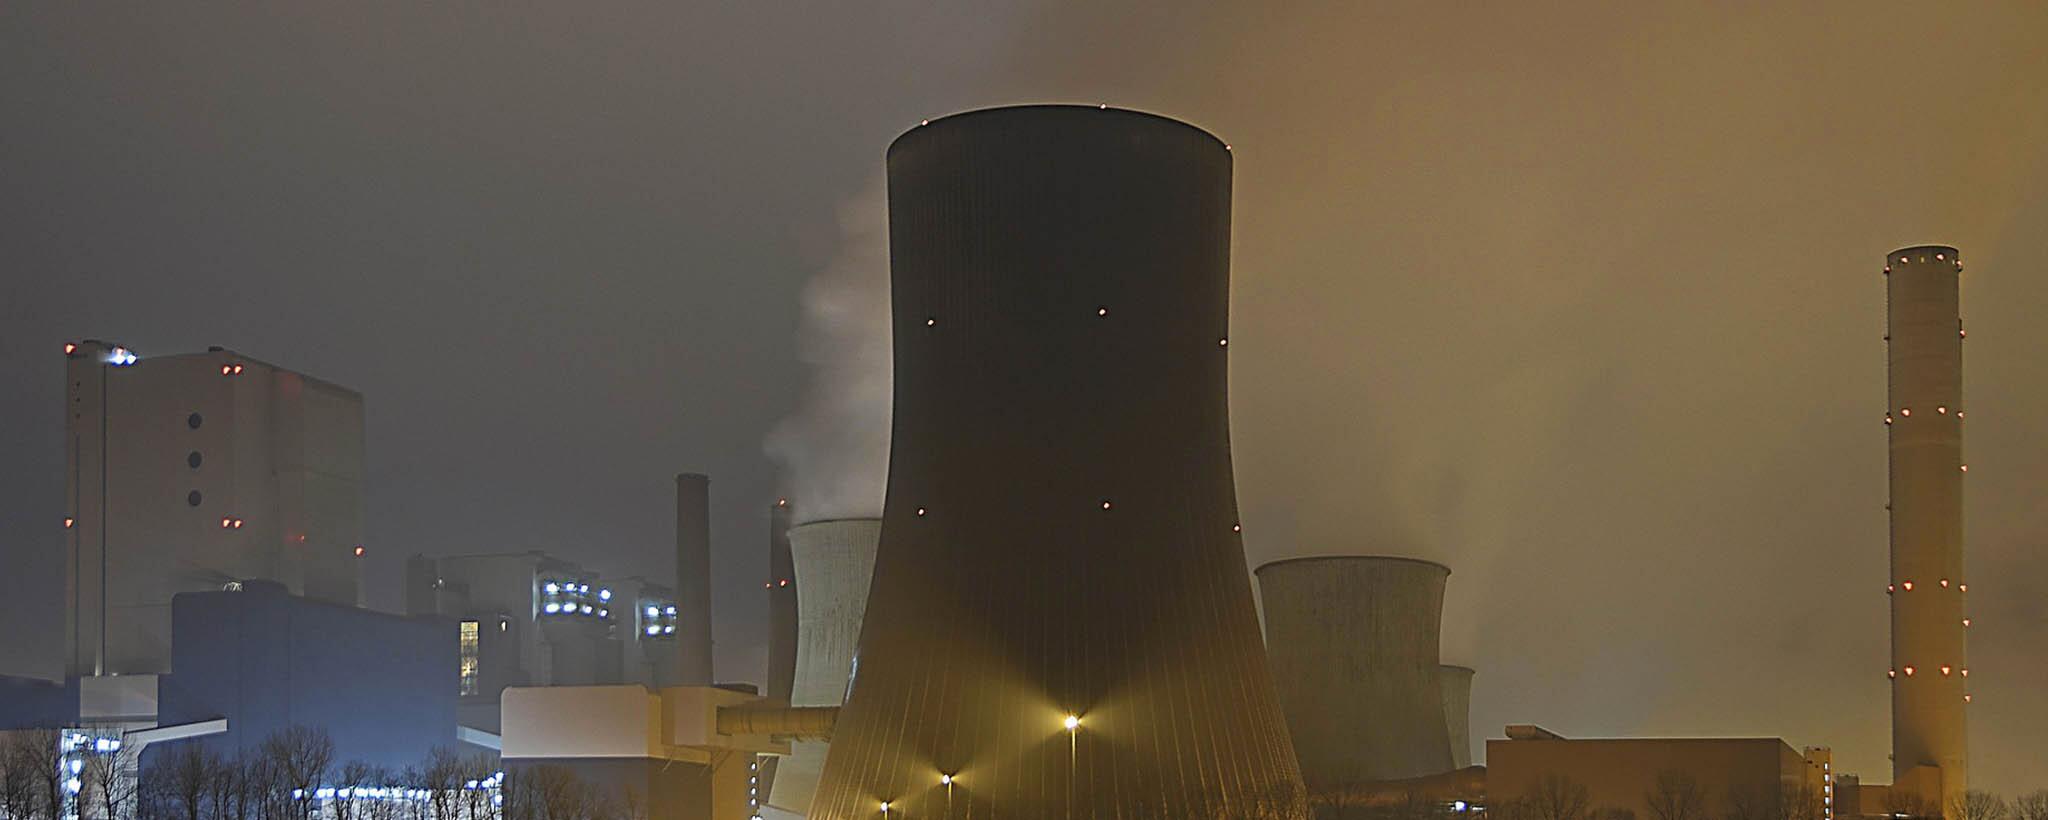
(783, 633)
(1353, 642)
(833, 562)
(1060, 623)
(185, 472)
(1624, 774)
(1929, 586)
(530, 619)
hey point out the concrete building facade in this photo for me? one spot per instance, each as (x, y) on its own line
(1060, 623)
(530, 619)
(187, 472)
(833, 562)
(1353, 642)
(1929, 582)
(1733, 777)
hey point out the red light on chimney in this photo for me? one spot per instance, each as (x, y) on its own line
(783, 583)
(70, 348)
(238, 523)
(359, 550)
(69, 522)
(225, 370)
(226, 523)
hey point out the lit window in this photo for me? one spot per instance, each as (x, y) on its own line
(469, 661)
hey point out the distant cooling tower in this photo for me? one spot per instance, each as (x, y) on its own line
(833, 561)
(1930, 666)
(1060, 625)
(1353, 640)
(1456, 681)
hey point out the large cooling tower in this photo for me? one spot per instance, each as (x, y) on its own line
(1456, 681)
(1353, 641)
(1925, 421)
(833, 562)
(1059, 539)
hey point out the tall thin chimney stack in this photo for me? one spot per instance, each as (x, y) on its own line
(693, 581)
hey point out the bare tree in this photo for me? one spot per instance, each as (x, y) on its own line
(1676, 796)
(1908, 805)
(36, 753)
(18, 782)
(1751, 802)
(1977, 804)
(1611, 813)
(183, 778)
(1557, 797)
(2031, 806)
(107, 785)
(298, 759)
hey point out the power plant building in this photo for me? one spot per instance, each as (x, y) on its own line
(1930, 620)
(1354, 647)
(1060, 622)
(833, 562)
(1731, 777)
(187, 472)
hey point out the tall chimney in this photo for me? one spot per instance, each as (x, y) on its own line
(782, 630)
(1924, 421)
(1353, 642)
(692, 665)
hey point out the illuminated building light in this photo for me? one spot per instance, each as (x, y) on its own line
(1102, 311)
(552, 608)
(885, 807)
(668, 630)
(604, 613)
(670, 611)
(1890, 588)
(1940, 256)
(767, 584)
(653, 611)
(586, 609)
(1104, 106)
(1904, 260)
(226, 369)
(1891, 673)
(238, 523)
(1944, 583)
(920, 512)
(1966, 468)
(1071, 722)
(70, 522)
(226, 523)
(1887, 418)
(924, 122)
(945, 780)
(604, 594)
(1906, 585)
(1945, 670)
(782, 502)
(1966, 698)
(1237, 528)
(1966, 623)
(1105, 503)
(1963, 587)
(653, 630)
(585, 589)
(70, 348)
(782, 583)
(551, 588)
(1965, 670)
(1943, 409)
(1906, 411)
(1959, 414)
(1909, 671)
(1222, 342)
(931, 321)
(359, 550)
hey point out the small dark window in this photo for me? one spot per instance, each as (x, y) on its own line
(192, 498)
(193, 460)
(193, 421)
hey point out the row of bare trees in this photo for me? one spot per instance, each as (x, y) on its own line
(291, 775)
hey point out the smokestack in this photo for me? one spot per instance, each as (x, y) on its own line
(782, 631)
(1353, 641)
(1456, 681)
(1060, 613)
(833, 563)
(692, 660)
(1924, 421)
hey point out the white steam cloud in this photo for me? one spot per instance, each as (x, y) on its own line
(834, 450)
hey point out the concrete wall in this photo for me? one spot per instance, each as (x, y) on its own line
(383, 686)
(159, 453)
(1925, 426)
(1354, 648)
(833, 562)
(1057, 538)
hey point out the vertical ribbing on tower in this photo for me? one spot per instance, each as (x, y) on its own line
(1924, 337)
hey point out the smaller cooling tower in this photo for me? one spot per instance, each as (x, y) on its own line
(1353, 645)
(834, 560)
(1457, 685)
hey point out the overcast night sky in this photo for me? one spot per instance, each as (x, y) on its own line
(1584, 302)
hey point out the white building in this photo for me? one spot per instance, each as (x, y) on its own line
(189, 471)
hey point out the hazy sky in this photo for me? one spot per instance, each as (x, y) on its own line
(1583, 301)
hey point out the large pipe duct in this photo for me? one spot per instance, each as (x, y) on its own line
(1456, 681)
(1924, 421)
(1353, 641)
(692, 652)
(833, 561)
(793, 723)
(1060, 624)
